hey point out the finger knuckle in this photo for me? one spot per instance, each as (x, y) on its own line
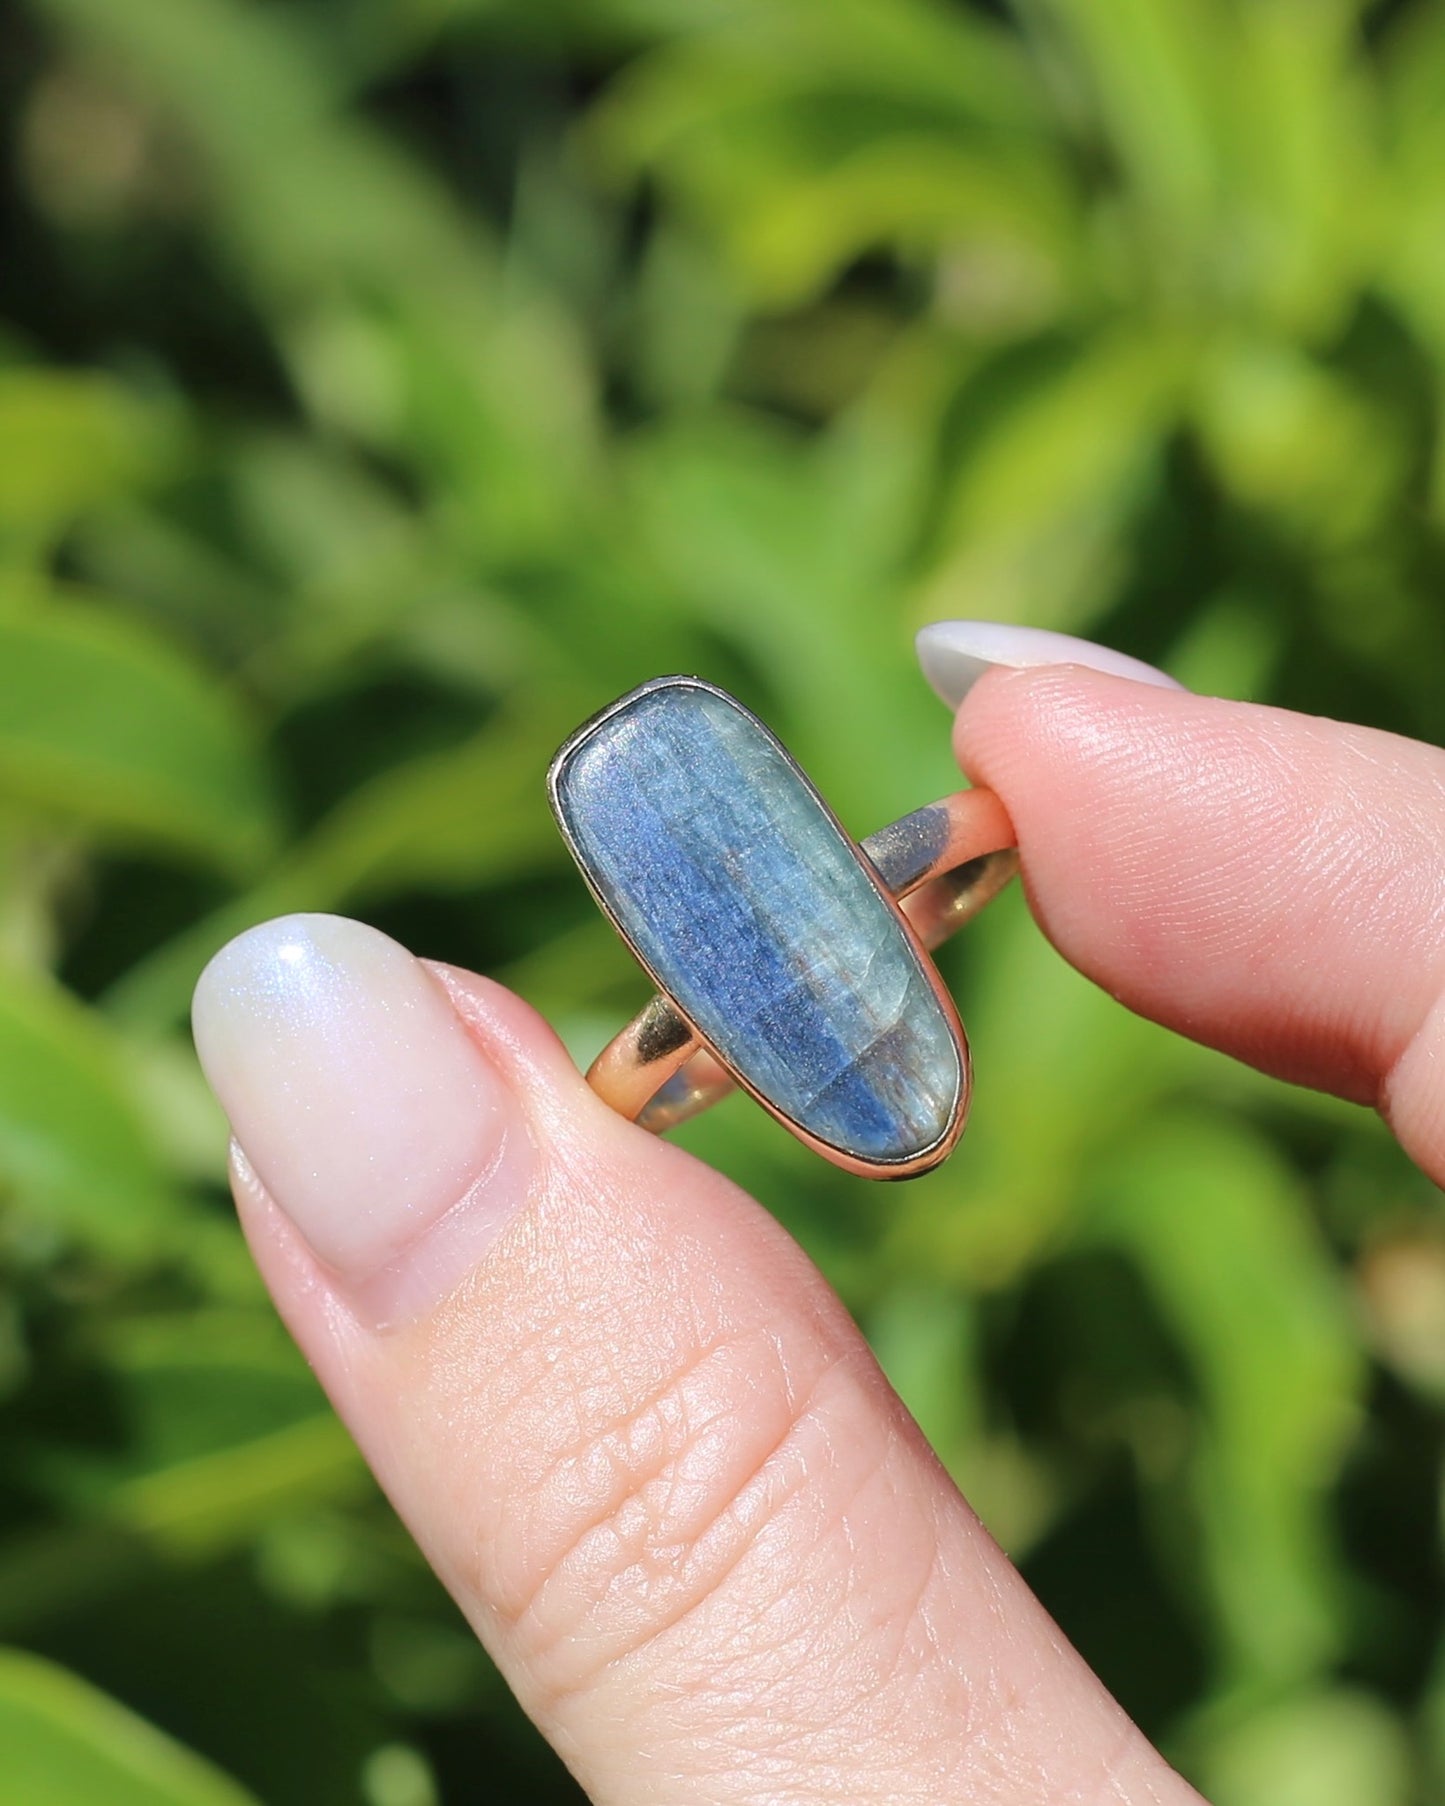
(627, 1507)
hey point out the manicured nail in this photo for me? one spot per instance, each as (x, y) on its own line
(357, 1097)
(955, 654)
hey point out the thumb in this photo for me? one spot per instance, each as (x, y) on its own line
(636, 1434)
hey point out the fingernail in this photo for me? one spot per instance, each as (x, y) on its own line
(955, 654)
(357, 1097)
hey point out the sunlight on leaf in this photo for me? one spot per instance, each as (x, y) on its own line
(68, 1744)
(103, 724)
(75, 1158)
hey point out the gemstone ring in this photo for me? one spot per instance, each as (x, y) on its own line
(783, 961)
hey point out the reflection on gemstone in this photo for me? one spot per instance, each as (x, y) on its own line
(752, 909)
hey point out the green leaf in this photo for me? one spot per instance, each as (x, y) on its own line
(1306, 196)
(928, 1342)
(1288, 434)
(1035, 524)
(808, 134)
(105, 725)
(1230, 649)
(745, 520)
(1157, 71)
(484, 378)
(1009, 219)
(68, 441)
(1064, 1073)
(1413, 256)
(226, 1431)
(1218, 1227)
(75, 1157)
(1330, 1748)
(926, 61)
(473, 814)
(66, 1743)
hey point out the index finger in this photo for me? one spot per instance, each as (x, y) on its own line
(1269, 883)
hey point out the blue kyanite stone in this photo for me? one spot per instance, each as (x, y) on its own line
(753, 911)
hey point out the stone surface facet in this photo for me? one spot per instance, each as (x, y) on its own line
(754, 912)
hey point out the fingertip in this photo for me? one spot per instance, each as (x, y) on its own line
(956, 655)
(363, 1106)
(1263, 881)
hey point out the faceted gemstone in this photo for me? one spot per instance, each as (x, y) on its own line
(752, 909)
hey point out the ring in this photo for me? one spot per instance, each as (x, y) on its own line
(783, 961)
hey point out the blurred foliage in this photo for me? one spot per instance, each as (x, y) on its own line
(384, 384)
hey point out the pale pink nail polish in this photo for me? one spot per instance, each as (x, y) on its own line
(955, 654)
(362, 1104)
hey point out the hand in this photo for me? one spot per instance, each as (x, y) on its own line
(640, 1440)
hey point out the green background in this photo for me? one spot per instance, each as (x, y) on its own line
(385, 384)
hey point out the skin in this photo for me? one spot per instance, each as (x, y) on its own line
(646, 1448)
